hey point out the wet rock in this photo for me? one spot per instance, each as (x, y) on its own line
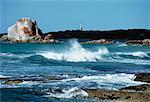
(143, 77)
(146, 42)
(48, 37)
(118, 95)
(54, 78)
(134, 42)
(4, 38)
(100, 41)
(143, 42)
(4, 79)
(15, 81)
(58, 90)
(141, 88)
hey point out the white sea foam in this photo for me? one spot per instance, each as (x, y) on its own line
(23, 84)
(122, 45)
(76, 53)
(2, 76)
(15, 55)
(136, 54)
(108, 81)
(107, 78)
(69, 93)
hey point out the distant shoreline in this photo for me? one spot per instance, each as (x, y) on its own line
(135, 34)
(130, 36)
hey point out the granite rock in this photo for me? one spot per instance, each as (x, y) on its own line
(24, 29)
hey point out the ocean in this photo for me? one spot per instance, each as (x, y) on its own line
(61, 72)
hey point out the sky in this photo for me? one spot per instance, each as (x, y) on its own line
(56, 15)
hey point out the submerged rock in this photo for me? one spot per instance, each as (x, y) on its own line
(143, 77)
(55, 78)
(15, 81)
(24, 29)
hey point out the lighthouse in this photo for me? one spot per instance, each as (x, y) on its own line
(81, 27)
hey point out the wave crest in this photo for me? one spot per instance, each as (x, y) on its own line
(135, 54)
(77, 53)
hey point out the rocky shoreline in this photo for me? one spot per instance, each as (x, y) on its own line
(139, 93)
(119, 96)
(49, 39)
(110, 41)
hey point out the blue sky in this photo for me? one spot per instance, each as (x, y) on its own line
(55, 15)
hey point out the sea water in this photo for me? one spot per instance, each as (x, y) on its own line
(81, 66)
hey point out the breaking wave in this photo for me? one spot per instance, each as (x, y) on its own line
(135, 54)
(107, 81)
(13, 55)
(122, 45)
(77, 53)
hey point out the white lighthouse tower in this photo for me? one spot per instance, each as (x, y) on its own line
(81, 27)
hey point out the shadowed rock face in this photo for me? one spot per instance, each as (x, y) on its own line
(143, 77)
(141, 88)
(24, 29)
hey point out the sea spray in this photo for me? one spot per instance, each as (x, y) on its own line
(76, 53)
(68, 93)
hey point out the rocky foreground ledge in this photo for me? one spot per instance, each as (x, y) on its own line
(139, 93)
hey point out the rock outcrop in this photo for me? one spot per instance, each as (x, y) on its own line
(139, 88)
(100, 41)
(4, 38)
(143, 42)
(139, 93)
(119, 96)
(146, 42)
(16, 81)
(24, 29)
(143, 77)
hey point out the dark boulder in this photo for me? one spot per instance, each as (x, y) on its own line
(141, 88)
(143, 77)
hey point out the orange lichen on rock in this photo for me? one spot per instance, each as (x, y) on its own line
(24, 29)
